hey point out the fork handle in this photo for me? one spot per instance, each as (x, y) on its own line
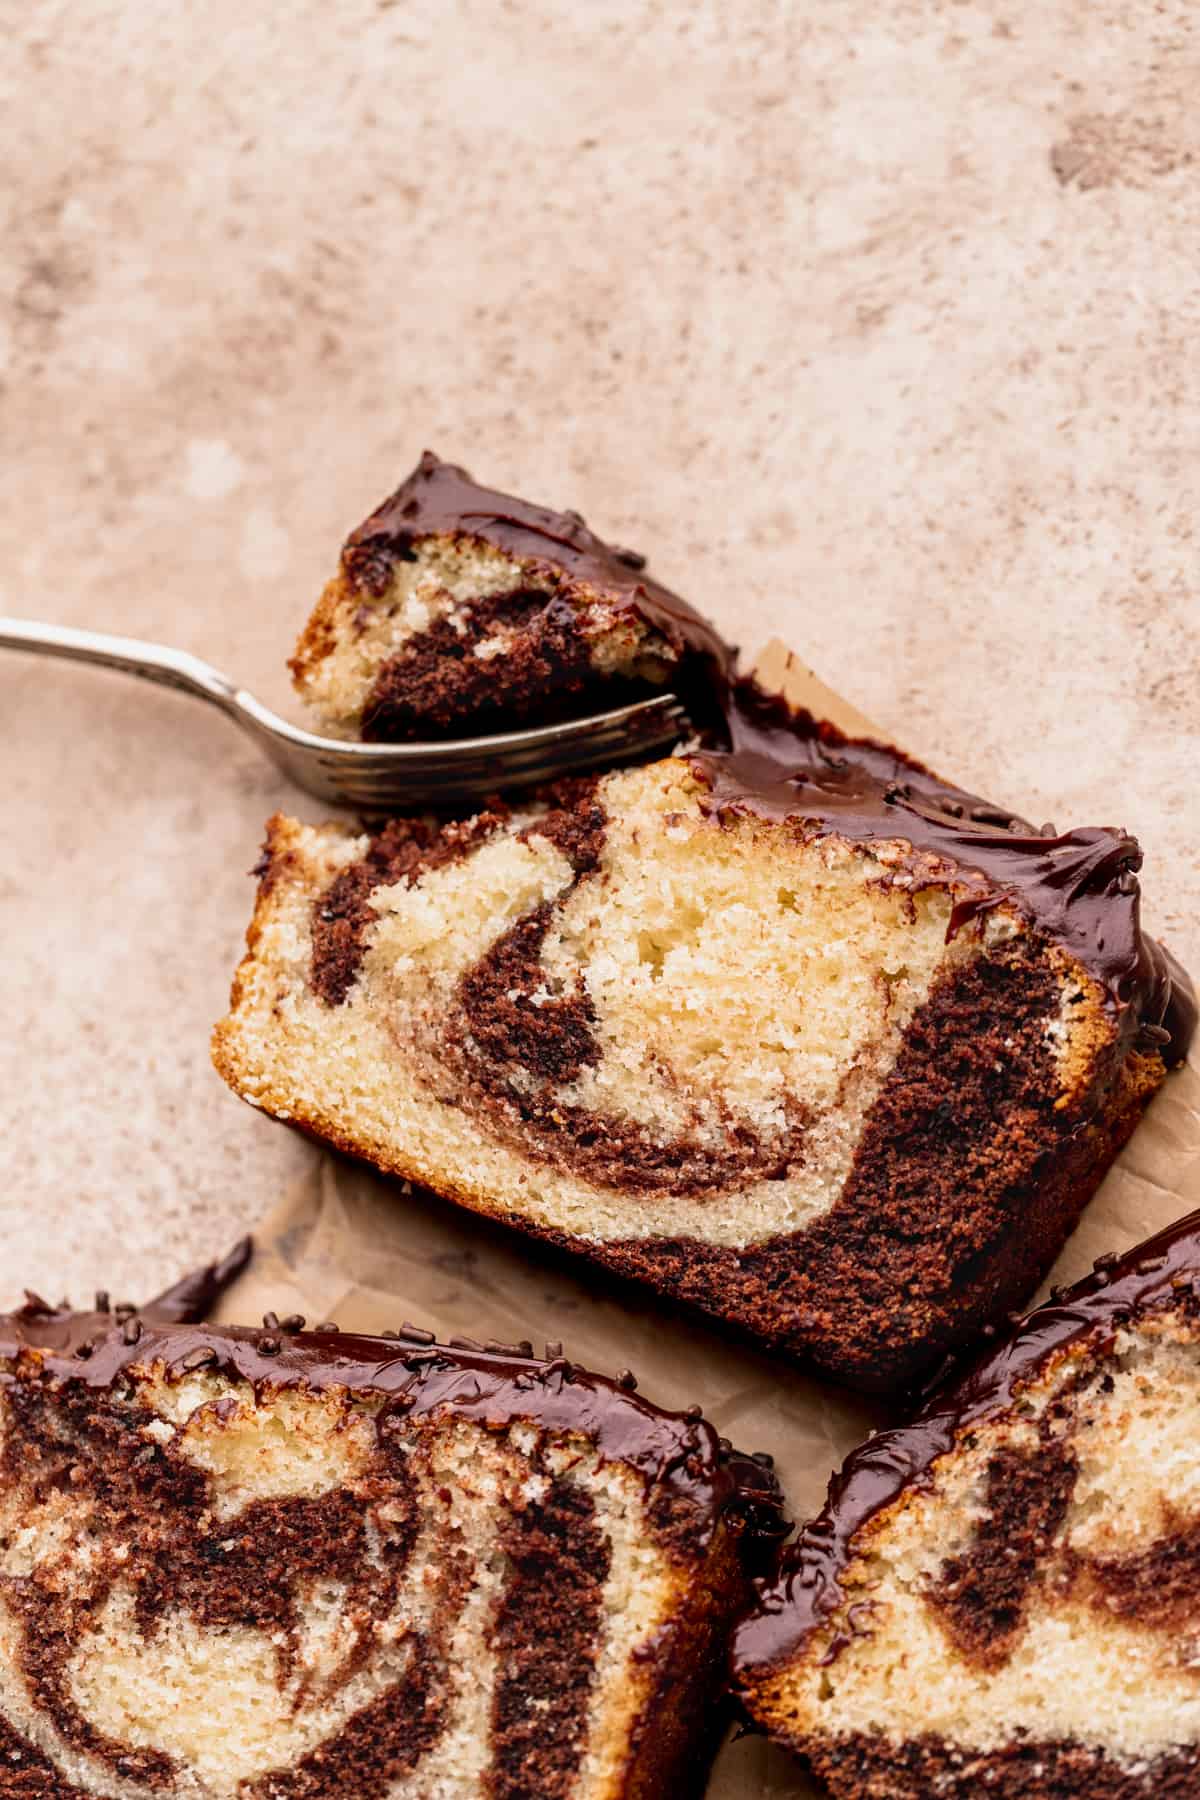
(150, 662)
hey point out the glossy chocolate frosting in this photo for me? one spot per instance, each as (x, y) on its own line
(1079, 887)
(194, 1297)
(806, 1590)
(439, 497)
(416, 1377)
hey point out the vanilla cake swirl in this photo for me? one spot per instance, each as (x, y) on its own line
(794, 1032)
(1003, 1598)
(284, 1565)
(457, 611)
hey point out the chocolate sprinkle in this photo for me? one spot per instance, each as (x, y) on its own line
(415, 1334)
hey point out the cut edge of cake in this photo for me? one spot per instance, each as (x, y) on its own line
(1003, 1596)
(672, 858)
(459, 611)
(386, 1555)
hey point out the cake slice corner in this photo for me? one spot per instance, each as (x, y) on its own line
(1003, 1597)
(457, 610)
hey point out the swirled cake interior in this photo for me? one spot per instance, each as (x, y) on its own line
(812, 1072)
(375, 1569)
(457, 610)
(1004, 1598)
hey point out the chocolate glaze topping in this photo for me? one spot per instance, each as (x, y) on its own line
(195, 1296)
(417, 1380)
(440, 497)
(1079, 887)
(806, 1589)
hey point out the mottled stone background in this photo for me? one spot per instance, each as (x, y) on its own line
(874, 320)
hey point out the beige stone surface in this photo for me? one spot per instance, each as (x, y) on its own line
(875, 320)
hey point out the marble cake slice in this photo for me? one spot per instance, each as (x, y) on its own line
(1003, 1598)
(793, 1033)
(459, 611)
(279, 1565)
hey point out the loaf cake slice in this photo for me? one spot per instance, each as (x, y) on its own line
(1003, 1598)
(458, 611)
(288, 1565)
(792, 1032)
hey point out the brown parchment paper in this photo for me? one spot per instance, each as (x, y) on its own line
(345, 1245)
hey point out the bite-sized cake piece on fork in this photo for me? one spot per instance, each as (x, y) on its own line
(792, 1032)
(288, 1565)
(1003, 1598)
(458, 611)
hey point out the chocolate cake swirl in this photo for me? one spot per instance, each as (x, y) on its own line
(258, 1565)
(791, 1030)
(459, 611)
(1004, 1595)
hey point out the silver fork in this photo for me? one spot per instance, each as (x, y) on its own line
(375, 778)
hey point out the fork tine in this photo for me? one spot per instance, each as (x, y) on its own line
(377, 779)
